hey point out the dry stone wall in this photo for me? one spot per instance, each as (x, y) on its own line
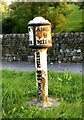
(67, 47)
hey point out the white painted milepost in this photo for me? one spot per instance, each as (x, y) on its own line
(42, 77)
(40, 39)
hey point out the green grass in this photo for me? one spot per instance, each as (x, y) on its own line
(75, 20)
(19, 87)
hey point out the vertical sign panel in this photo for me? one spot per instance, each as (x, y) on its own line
(38, 75)
(31, 38)
(43, 35)
(41, 75)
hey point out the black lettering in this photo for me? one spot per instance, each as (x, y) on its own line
(30, 42)
(39, 87)
(38, 65)
(38, 58)
(41, 41)
(38, 54)
(38, 75)
(45, 42)
(38, 61)
(29, 29)
(39, 71)
(39, 78)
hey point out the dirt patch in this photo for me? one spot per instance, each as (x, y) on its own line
(53, 101)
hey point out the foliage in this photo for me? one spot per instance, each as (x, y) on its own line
(8, 25)
(22, 12)
(60, 14)
(75, 20)
(3, 10)
(19, 87)
(81, 5)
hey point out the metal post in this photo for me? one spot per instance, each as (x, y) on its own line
(41, 76)
(40, 40)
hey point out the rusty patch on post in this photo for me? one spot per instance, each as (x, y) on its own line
(43, 80)
(43, 83)
(43, 90)
(43, 73)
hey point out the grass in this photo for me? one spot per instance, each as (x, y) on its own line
(19, 87)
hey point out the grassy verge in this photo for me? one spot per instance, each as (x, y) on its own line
(19, 87)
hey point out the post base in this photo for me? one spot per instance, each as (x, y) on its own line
(51, 102)
(47, 104)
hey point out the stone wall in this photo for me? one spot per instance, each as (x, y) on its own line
(67, 47)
